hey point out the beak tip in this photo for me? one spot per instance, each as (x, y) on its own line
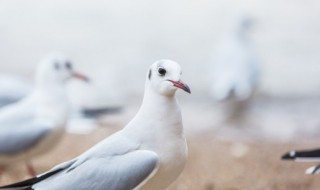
(81, 77)
(186, 88)
(181, 85)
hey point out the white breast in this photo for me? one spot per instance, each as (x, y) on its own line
(172, 151)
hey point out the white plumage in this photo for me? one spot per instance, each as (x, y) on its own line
(235, 71)
(149, 153)
(36, 123)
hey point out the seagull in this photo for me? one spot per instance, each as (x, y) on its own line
(34, 125)
(150, 152)
(85, 120)
(13, 89)
(235, 72)
(305, 156)
(93, 104)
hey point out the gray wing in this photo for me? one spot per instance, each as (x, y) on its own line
(17, 139)
(97, 112)
(118, 172)
(18, 113)
(4, 101)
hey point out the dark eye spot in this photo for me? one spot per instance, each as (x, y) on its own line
(68, 65)
(149, 75)
(162, 71)
(56, 66)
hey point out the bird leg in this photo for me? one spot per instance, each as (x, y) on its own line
(31, 171)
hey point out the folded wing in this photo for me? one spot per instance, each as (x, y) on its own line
(118, 172)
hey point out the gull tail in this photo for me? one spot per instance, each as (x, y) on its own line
(97, 112)
(313, 170)
(305, 155)
(27, 184)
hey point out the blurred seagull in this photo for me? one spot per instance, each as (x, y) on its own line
(97, 112)
(93, 104)
(35, 124)
(305, 156)
(235, 70)
(236, 67)
(149, 153)
(84, 120)
(13, 89)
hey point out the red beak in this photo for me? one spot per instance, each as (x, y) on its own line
(80, 76)
(181, 85)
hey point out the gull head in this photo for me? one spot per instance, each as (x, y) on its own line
(243, 25)
(164, 77)
(57, 68)
(245, 22)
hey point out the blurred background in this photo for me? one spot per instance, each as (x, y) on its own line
(114, 42)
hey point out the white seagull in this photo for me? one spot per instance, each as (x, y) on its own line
(305, 156)
(34, 125)
(149, 153)
(235, 70)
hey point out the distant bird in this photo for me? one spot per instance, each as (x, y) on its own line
(305, 156)
(97, 112)
(85, 120)
(34, 125)
(149, 153)
(13, 89)
(235, 71)
(93, 104)
(94, 100)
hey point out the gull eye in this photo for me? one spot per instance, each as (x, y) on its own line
(68, 65)
(162, 71)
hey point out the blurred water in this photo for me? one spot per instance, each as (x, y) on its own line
(115, 41)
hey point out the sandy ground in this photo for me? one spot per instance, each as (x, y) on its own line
(220, 158)
(211, 165)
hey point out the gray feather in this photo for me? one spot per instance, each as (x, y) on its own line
(119, 172)
(17, 139)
